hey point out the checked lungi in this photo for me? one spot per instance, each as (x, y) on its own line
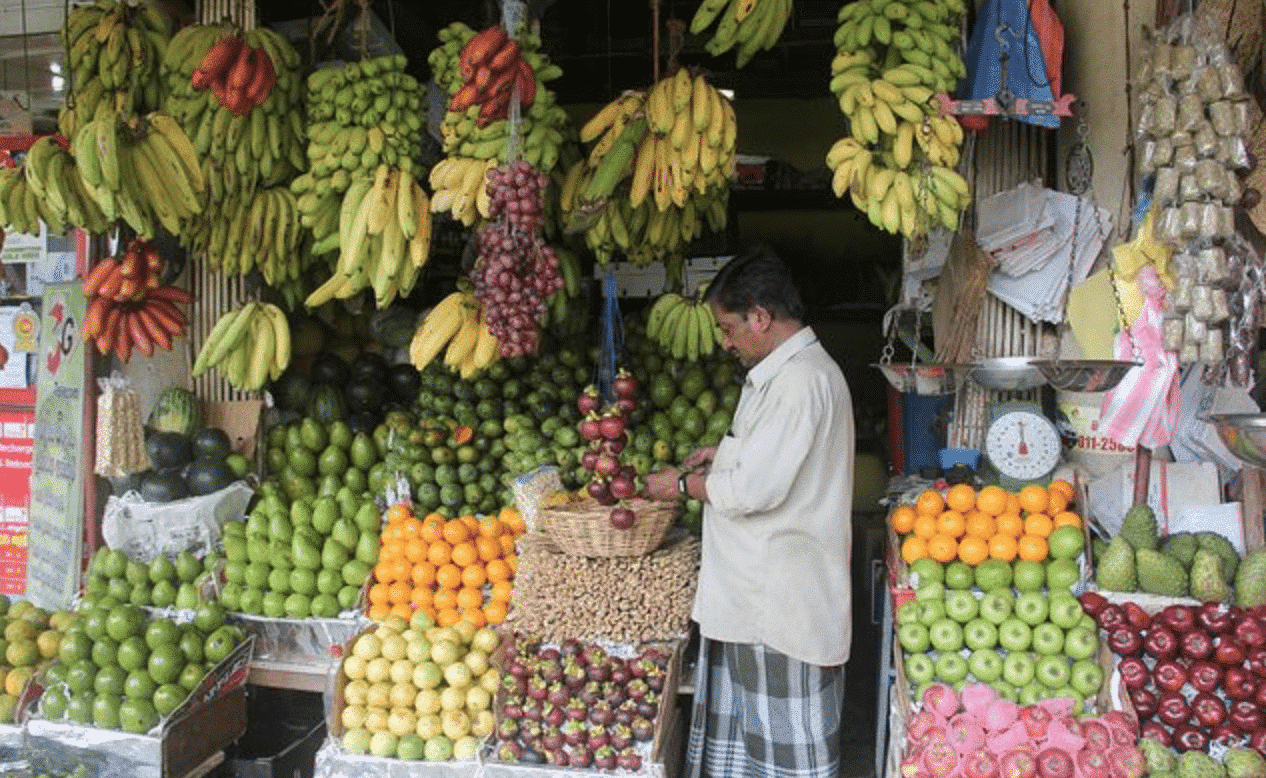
(758, 713)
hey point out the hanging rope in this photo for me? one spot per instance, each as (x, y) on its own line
(654, 41)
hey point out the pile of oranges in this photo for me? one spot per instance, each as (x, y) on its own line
(452, 569)
(991, 523)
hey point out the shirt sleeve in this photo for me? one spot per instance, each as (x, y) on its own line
(767, 459)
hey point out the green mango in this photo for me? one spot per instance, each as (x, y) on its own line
(334, 554)
(367, 549)
(346, 533)
(324, 513)
(305, 553)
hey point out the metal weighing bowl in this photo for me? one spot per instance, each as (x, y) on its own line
(1084, 375)
(1244, 434)
(923, 379)
(1007, 374)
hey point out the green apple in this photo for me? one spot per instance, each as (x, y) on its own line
(1048, 639)
(1080, 643)
(1031, 608)
(931, 611)
(1086, 677)
(996, 605)
(1028, 576)
(927, 570)
(1018, 669)
(951, 667)
(1052, 671)
(993, 574)
(961, 606)
(908, 612)
(946, 635)
(985, 664)
(959, 575)
(920, 669)
(913, 637)
(1014, 635)
(979, 633)
(931, 590)
(1064, 609)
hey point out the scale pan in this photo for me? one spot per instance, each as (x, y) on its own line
(1007, 374)
(1244, 434)
(1085, 375)
(923, 379)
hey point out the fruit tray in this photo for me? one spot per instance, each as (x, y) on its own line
(298, 641)
(333, 762)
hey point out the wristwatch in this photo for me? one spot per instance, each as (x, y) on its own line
(683, 486)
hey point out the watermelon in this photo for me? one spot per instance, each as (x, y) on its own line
(177, 410)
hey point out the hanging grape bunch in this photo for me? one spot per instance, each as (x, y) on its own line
(516, 271)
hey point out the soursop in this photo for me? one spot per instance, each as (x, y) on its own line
(1160, 574)
(1160, 758)
(1198, 764)
(1244, 763)
(1139, 527)
(1250, 580)
(1223, 548)
(1097, 546)
(1206, 578)
(1181, 546)
(1116, 567)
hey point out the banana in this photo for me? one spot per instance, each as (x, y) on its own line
(263, 352)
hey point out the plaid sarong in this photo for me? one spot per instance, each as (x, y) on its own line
(758, 713)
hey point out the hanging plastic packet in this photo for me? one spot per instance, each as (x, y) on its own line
(1210, 220)
(1232, 80)
(1218, 304)
(1189, 353)
(1234, 191)
(1164, 151)
(1211, 348)
(1184, 158)
(1162, 61)
(1190, 113)
(1201, 302)
(1211, 264)
(1194, 328)
(1189, 220)
(1205, 140)
(1208, 83)
(1172, 333)
(1183, 61)
(1243, 117)
(1146, 125)
(1222, 117)
(1147, 157)
(1188, 189)
(1164, 112)
(1226, 222)
(1165, 190)
(1235, 154)
(1168, 227)
(1211, 178)
(120, 436)
(1180, 295)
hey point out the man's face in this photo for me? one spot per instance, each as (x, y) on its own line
(742, 334)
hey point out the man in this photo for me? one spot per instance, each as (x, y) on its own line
(774, 598)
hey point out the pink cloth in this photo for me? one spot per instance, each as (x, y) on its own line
(1143, 408)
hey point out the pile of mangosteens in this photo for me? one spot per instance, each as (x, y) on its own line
(606, 429)
(1195, 674)
(577, 704)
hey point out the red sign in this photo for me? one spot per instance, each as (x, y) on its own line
(17, 423)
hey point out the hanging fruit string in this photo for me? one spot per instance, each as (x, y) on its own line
(612, 337)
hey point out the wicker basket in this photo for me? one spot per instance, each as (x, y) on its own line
(582, 529)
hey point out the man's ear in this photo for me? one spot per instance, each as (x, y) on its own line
(761, 318)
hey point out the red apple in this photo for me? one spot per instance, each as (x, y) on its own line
(1206, 676)
(1239, 683)
(1134, 672)
(1208, 709)
(1169, 675)
(1188, 737)
(1137, 617)
(1214, 618)
(1161, 642)
(1179, 618)
(1172, 708)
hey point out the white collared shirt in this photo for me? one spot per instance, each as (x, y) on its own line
(776, 529)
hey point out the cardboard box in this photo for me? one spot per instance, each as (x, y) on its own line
(210, 718)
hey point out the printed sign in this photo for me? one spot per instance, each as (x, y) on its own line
(17, 428)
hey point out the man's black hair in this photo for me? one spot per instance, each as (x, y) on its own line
(757, 277)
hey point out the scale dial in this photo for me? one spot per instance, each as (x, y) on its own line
(1023, 445)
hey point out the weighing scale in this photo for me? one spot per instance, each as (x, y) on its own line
(1021, 445)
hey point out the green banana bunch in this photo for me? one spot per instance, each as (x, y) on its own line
(145, 172)
(683, 326)
(249, 345)
(752, 25)
(363, 115)
(113, 51)
(53, 176)
(240, 156)
(565, 311)
(21, 210)
(543, 126)
(893, 57)
(657, 173)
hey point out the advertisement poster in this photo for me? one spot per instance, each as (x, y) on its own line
(17, 427)
(57, 486)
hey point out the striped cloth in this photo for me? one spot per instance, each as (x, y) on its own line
(760, 714)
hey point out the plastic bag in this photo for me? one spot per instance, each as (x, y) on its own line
(144, 530)
(1211, 346)
(1188, 188)
(1184, 158)
(1211, 264)
(120, 436)
(1189, 220)
(1163, 154)
(1183, 62)
(1232, 80)
(1222, 117)
(1205, 140)
(1193, 327)
(1165, 191)
(1180, 295)
(1190, 113)
(1211, 178)
(1201, 302)
(1218, 303)
(1234, 153)
(1210, 220)
(1173, 333)
(1168, 227)
(1208, 83)
(1164, 115)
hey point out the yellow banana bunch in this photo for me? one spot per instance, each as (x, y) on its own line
(461, 188)
(249, 345)
(63, 199)
(455, 331)
(683, 326)
(113, 50)
(892, 57)
(752, 25)
(383, 240)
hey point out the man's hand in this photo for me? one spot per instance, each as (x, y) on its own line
(700, 458)
(662, 484)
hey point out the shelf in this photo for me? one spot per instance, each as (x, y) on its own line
(286, 675)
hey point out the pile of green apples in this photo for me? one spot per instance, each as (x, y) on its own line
(1015, 627)
(300, 559)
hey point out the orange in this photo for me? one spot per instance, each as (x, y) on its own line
(902, 519)
(943, 548)
(1065, 518)
(951, 523)
(447, 617)
(379, 612)
(1038, 524)
(1064, 487)
(475, 616)
(411, 526)
(489, 548)
(393, 550)
(1009, 524)
(468, 597)
(513, 561)
(439, 553)
(992, 500)
(399, 592)
(444, 598)
(1032, 548)
(433, 527)
(502, 591)
(398, 513)
(497, 570)
(391, 533)
(455, 531)
(464, 554)
(513, 519)
(1013, 503)
(1055, 502)
(495, 612)
(1033, 498)
(973, 550)
(449, 576)
(1002, 547)
(474, 576)
(929, 503)
(423, 573)
(416, 549)
(382, 571)
(925, 526)
(379, 593)
(507, 544)
(472, 523)
(981, 525)
(421, 598)
(912, 548)
(961, 498)
(401, 570)
(404, 610)
(491, 527)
